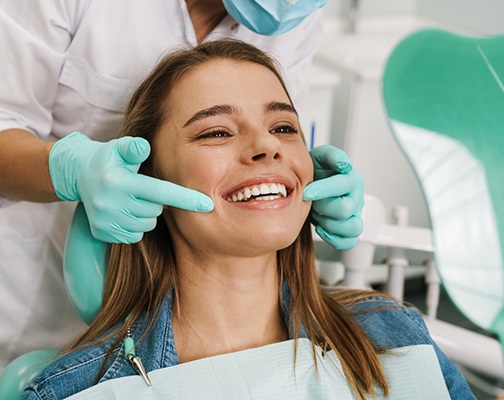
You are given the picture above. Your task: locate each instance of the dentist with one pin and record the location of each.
(67, 73)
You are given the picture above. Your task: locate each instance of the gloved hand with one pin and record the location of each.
(120, 203)
(338, 197)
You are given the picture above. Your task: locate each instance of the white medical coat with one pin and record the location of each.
(72, 65)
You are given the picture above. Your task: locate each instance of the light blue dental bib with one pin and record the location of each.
(267, 373)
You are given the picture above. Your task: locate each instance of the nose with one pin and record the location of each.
(262, 147)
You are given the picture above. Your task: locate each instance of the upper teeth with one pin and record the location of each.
(275, 190)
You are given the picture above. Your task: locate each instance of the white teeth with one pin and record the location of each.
(272, 197)
(265, 191)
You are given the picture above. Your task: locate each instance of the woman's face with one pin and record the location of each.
(231, 132)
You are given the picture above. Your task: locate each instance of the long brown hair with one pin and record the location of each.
(140, 275)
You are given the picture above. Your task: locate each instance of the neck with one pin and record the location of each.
(205, 16)
(226, 306)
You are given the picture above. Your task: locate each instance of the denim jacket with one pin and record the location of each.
(387, 323)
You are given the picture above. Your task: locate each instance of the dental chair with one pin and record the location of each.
(84, 267)
(444, 98)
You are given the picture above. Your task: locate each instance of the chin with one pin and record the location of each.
(274, 240)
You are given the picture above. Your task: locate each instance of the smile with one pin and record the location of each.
(262, 192)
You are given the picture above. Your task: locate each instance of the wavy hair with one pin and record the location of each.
(140, 276)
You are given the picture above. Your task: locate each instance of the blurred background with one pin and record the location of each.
(347, 110)
(345, 90)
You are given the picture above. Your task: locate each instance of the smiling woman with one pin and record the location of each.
(231, 136)
(220, 120)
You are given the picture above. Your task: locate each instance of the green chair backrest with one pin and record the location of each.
(444, 96)
(84, 267)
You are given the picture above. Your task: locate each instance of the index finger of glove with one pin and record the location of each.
(168, 193)
(334, 186)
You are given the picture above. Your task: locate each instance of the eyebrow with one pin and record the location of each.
(228, 109)
(279, 106)
(213, 111)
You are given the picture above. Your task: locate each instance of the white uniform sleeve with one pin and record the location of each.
(33, 37)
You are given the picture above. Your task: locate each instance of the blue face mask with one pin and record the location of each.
(271, 17)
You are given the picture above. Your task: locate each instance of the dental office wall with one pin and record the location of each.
(358, 122)
(371, 7)
(478, 16)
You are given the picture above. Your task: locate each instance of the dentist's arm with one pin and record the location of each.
(24, 167)
(120, 203)
(338, 197)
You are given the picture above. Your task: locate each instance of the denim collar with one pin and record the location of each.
(158, 349)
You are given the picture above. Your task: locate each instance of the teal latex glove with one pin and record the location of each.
(120, 203)
(338, 197)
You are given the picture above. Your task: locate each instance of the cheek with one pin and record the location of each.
(303, 165)
(195, 171)
(203, 171)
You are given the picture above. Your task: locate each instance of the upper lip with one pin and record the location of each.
(257, 181)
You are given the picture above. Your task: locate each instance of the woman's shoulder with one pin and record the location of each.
(390, 323)
(74, 372)
(80, 369)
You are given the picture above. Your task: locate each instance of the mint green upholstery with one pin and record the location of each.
(444, 96)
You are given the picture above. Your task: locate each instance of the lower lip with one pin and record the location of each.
(263, 204)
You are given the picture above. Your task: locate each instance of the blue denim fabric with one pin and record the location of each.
(387, 323)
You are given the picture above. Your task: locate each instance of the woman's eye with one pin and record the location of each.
(285, 129)
(213, 134)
